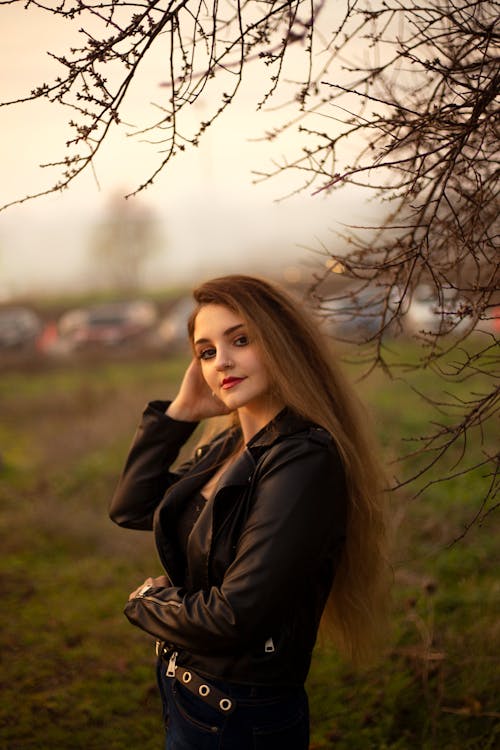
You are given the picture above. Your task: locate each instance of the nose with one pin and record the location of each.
(223, 362)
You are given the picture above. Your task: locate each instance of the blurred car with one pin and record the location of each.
(107, 325)
(19, 328)
(491, 322)
(355, 317)
(171, 332)
(427, 314)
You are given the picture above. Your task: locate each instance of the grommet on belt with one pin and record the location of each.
(186, 677)
(204, 690)
(225, 704)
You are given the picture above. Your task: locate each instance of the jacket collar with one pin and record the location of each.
(285, 423)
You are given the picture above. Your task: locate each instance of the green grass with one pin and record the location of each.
(75, 674)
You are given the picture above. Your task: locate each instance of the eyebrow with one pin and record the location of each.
(227, 332)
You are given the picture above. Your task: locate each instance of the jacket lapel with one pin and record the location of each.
(166, 515)
(238, 475)
(200, 540)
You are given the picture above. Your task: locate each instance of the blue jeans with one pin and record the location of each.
(265, 718)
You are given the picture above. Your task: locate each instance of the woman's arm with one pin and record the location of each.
(146, 475)
(164, 429)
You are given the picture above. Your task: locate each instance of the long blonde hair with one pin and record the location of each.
(307, 378)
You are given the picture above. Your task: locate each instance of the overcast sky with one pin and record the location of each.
(213, 219)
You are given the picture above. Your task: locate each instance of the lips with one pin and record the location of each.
(228, 383)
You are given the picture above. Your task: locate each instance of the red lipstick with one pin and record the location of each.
(230, 382)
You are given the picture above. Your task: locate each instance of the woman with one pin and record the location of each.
(272, 524)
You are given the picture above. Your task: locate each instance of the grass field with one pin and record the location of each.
(76, 675)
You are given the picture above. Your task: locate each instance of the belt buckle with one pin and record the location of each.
(161, 648)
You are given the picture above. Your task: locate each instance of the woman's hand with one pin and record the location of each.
(160, 581)
(195, 401)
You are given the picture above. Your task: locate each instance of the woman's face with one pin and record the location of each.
(231, 362)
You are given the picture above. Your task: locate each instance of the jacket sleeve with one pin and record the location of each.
(146, 475)
(297, 519)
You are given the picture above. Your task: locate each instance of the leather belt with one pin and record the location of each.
(196, 685)
(208, 693)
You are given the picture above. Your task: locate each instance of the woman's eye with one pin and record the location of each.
(206, 353)
(241, 340)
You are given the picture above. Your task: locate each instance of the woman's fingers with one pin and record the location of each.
(195, 401)
(158, 582)
(144, 586)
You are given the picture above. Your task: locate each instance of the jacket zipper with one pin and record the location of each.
(172, 665)
(160, 601)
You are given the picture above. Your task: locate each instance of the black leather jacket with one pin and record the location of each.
(261, 556)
